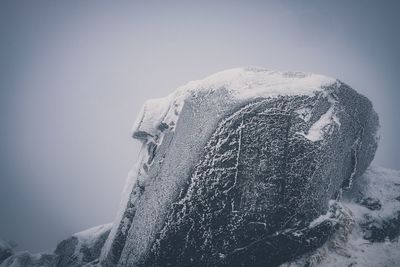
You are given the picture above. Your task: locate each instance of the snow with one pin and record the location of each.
(90, 236)
(242, 83)
(318, 129)
(316, 132)
(259, 82)
(131, 180)
(360, 251)
(304, 114)
(323, 217)
(152, 113)
(353, 249)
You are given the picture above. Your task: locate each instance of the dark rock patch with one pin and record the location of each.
(379, 230)
(370, 203)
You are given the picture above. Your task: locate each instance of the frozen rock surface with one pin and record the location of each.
(238, 168)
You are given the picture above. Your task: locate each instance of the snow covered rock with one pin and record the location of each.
(6, 250)
(82, 248)
(22, 259)
(240, 169)
(366, 237)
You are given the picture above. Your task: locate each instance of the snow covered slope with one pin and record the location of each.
(370, 235)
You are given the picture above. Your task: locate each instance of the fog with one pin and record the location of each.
(74, 74)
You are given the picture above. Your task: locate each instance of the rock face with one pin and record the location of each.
(238, 168)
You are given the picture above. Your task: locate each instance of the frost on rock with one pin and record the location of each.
(238, 168)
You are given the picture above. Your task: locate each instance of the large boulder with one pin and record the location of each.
(241, 169)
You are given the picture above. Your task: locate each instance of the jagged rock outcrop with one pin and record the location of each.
(238, 168)
(6, 250)
(26, 259)
(81, 249)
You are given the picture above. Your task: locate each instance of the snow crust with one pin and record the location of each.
(259, 82)
(382, 184)
(321, 126)
(242, 83)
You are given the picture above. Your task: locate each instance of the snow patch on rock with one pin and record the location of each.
(89, 236)
(321, 126)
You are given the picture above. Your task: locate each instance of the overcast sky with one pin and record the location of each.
(74, 74)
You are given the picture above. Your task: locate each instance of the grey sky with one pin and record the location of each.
(74, 74)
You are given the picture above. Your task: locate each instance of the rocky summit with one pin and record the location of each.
(247, 167)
